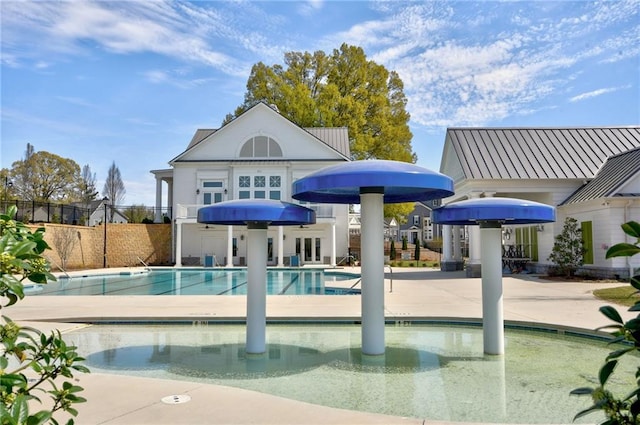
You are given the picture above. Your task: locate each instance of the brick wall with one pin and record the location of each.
(83, 247)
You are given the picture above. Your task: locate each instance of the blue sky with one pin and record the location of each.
(131, 81)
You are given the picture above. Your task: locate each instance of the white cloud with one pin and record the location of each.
(76, 101)
(595, 93)
(122, 27)
(178, 78)
(309, 7)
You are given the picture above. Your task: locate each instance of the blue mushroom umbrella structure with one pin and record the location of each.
(490, 214)
(372, 184)
(257, 215)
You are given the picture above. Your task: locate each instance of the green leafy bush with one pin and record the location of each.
(30, 362)
(619, 411)
(568, 249)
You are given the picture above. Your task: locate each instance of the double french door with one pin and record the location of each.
(309, 249)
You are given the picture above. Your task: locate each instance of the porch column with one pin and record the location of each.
(158, 214)
(446, 242)
(457, 246)
(280, 246)
(446, 264)
(170, 211)
(229, 246)
(178, 243)
(333, 245)
(474, 268)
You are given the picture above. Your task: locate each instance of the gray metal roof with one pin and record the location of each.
(200, 135)
(616, 171)
(336, 137)
(538, 153)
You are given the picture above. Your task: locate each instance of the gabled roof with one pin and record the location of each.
(614, 174)
(336, 138)
(538, 153)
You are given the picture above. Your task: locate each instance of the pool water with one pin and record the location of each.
(294, 281)
(428, 371)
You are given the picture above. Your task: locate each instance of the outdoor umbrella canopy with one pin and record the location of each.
(503, 210)
(398, 181)
(490, 214)
(257, 215)
(244, 211)
(371, 184)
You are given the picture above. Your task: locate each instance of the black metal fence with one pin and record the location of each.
(47, 212)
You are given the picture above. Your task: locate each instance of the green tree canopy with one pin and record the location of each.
(45, 177)
(341, 89)
(87, 190)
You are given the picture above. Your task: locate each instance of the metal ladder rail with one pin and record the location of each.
(390, 279)
(143, 263)
(59, 267)
(345, 259)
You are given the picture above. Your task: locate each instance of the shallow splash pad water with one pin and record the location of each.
(428, 371)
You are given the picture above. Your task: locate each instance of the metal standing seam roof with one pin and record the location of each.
(336, 137)
(615, 172)
(538, 153)
(200, 135)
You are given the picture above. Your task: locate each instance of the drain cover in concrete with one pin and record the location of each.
(176, 399)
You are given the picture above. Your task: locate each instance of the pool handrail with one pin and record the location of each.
(58, 266)
(390, 279)
(143, 263)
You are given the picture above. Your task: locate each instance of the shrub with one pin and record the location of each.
(24, 348)
(626, 410)
(568, 249)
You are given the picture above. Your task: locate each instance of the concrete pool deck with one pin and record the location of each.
(418, 294)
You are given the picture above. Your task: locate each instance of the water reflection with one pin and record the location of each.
(439, 373)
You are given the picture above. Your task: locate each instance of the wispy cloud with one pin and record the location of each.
(596, 93)
(309, 7)
(457, 74)
(76, 101)
(466, 63)
(124, 27)
(177, 78)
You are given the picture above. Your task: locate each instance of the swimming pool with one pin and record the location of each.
(294, 281)
(429, 371)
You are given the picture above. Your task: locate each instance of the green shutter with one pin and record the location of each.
(534, 243)
(587, 241)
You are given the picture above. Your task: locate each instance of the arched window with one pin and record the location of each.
(260, 147)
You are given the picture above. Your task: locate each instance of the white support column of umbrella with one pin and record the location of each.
(372, 184)
(257, 215)
(490, 214)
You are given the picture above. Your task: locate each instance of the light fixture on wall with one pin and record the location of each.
(241, 237)
(225, 191)
(507, 232)
(197, 191)
(540, 227)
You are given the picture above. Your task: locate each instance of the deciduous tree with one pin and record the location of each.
(45, 177)
(87, 189)
(114, 187)
(343, 89)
